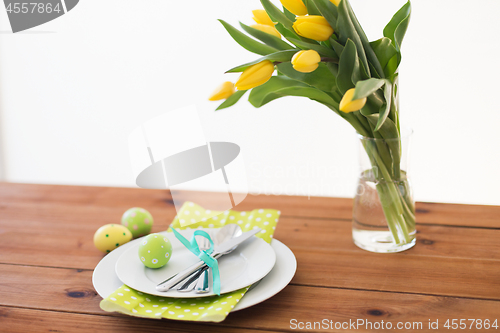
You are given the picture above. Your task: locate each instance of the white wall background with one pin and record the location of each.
(71, 91)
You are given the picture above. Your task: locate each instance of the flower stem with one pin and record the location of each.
(399, 219)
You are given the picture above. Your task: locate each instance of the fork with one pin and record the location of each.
(203, 244)
(202, 284)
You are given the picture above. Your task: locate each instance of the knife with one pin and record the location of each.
(219, 251)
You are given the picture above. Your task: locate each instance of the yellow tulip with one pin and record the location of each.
(306, 61)
(313, 26)
(335, 2)
(260, 16)
(267, 29)
(255, 75)
(222, 92)
(296, 7)
(348, 105)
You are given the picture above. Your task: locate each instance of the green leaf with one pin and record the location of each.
(388, 130)
(393, 114)
(324, 51)
(259, 93)
(311, 7)
(388, 99)
(334, 68)
(370, 54)
(326, 43)
(321, 78)
(281, 86)
(289, 14)
(364, 72)
(374, 103)
(385, 51)
(246, 42)
(231, 100)
(328, 10)
(268, 39)
(367, 87)
(374, 71)
(349, 72)
(276, 15)
(396, 28)
(337, 47)
(285, 32)
(369, 108)
(346, 30)
(393, 64)
(280, 56)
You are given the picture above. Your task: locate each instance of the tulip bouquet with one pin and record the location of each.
(319, 50)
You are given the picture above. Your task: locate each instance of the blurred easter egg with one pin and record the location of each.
(155, 251)
(110, 236)
(138, 220)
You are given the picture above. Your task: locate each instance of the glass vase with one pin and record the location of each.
(384, 208)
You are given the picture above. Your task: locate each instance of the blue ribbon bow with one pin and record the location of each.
(203, 255)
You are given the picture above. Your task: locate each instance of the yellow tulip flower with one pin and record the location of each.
(296, 7)
(260, 16)
(313, 26)
(267, 29)
(306, 61)
(348, 105)
(255, 75)
(222, 92)
(335, 2)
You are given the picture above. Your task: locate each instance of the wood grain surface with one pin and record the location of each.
(47, 257)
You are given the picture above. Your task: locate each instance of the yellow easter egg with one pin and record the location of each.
(110, 236)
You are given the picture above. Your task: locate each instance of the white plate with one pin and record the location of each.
(248, 263)
(106, 281)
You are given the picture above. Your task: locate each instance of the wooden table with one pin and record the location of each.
(47, 258)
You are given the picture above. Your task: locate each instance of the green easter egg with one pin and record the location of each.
(110, 236)
(155, 251)
(138, 220)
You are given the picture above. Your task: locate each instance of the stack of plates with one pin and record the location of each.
(254, 260)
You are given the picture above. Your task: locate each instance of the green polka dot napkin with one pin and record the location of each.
(214, 308)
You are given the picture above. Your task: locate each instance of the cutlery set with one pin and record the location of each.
(196, 275)
(199, 280)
